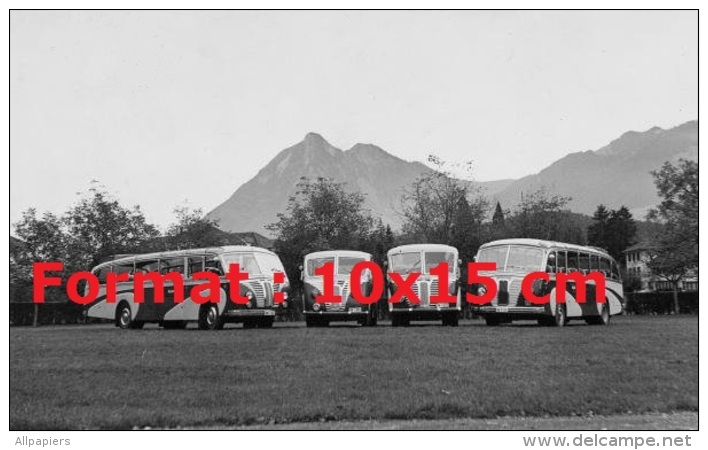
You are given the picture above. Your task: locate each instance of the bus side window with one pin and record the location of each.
(584, 263)
(572, 262)
(552, 265)
(562, 262)
(195, 264)
(126, 267)
(605, 267)
(615, 271)
(172, 265)
(213, 265)
(145, 266)
(594, 263)
(101, 274)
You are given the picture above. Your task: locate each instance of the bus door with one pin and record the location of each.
(150, 310)
(188, 309)
(572, 307)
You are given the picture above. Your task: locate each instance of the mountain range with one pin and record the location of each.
(614, 175)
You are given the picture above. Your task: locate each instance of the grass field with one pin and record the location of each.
(100, 377)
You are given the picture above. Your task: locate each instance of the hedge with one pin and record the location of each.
(660, 302)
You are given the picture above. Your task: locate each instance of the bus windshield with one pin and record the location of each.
(315, 263)
(269, 263)
(432, 259)
(406, 262)
(520, 257)
(254, 263)
(246, 261)
(347, 263)
(411, 261)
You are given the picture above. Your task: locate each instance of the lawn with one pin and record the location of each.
(100, 377)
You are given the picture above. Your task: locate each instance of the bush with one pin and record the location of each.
(49, 313)
(660, 302)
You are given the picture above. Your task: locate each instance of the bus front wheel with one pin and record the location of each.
(209, 318)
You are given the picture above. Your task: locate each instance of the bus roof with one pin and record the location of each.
(421, 247)
(186, 252)
(325, 253)
(544, 244)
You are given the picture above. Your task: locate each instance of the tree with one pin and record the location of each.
(321, 215)
(193, 230)
(541, 216)
(678, 211)
(621, 232)
(42, 240)
(677, 244)
(379, 242)
(99, 226)
(613, 230)
(439, 208)
(94, 228)
(498, 217)
(598, 231)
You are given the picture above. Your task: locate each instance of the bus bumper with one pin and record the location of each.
(338, 316)
(425, 313)
(513, 312)
(249, 313)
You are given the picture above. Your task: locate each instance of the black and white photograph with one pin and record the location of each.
(354, 220)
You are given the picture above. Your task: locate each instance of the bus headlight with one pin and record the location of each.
(481, 291)
(285, 295)
(316, 307)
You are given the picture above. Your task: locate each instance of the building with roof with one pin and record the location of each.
(637, 258)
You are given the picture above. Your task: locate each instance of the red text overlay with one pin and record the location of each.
(208, 286)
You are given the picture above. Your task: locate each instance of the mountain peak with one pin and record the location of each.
(314, 144)
(314, 138)
(366, 148)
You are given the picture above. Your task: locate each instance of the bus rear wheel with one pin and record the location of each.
(491, 321)
(397, 321)
(174, 324)
(371, 318)
(209, 318)
(124, 318)
(602, 319)
(547, 322)
(316, 322)
(450, 320)
(266, 322)
(605, 314)
(561, 317)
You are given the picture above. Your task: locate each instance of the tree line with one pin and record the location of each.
(326, 214)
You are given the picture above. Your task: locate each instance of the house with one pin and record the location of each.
(637, 258)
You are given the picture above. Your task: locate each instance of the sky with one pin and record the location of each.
(169, 108)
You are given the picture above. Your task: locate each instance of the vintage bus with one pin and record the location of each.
(516, 258)
(259, 289)
(321, 314)
(421, 258)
